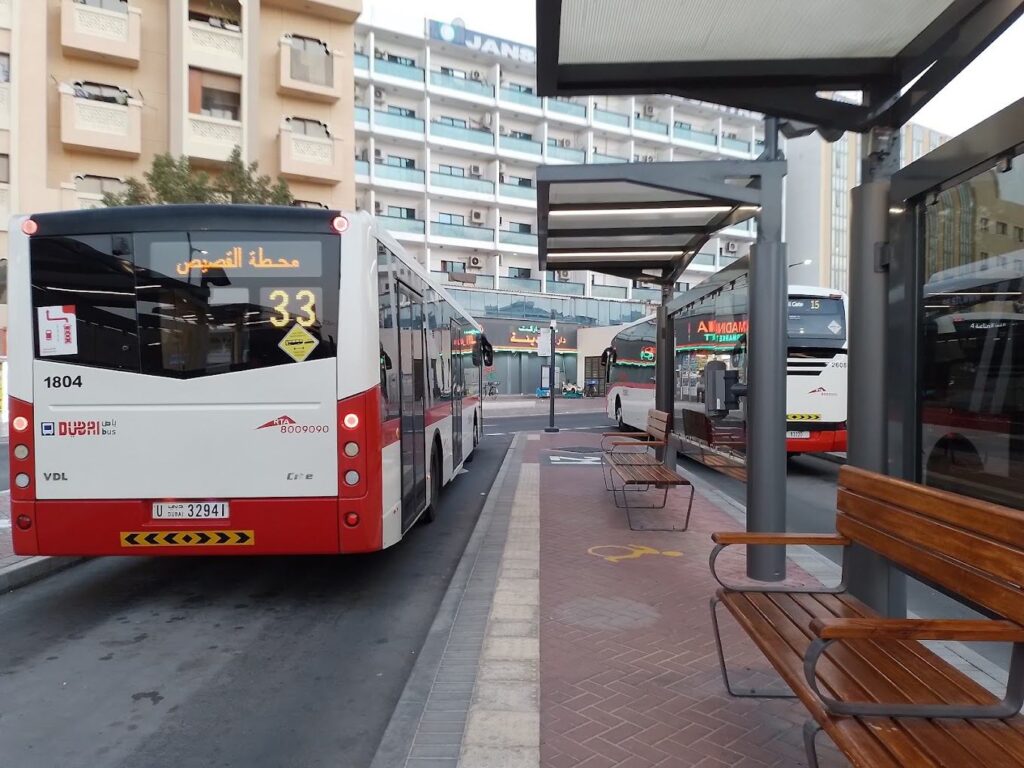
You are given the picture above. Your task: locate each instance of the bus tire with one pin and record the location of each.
(476, 441)
(430, 513)
(618, 415)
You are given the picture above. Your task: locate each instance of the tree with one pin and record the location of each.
(174, 180)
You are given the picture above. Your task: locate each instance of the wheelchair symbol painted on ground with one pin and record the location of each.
(615, 553)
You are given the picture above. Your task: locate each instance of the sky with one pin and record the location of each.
(990, 83)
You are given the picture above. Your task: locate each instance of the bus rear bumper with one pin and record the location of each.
(823, 441)
(255, 527)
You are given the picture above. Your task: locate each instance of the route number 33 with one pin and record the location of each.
(304, 301)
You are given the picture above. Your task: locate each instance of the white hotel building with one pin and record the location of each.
(448, 136)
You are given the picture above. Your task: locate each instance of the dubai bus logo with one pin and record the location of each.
(280, 421)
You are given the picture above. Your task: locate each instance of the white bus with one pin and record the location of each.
(230, 380)
(714, 328)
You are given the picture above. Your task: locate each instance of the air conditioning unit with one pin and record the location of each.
(562, 274)
(378, 94)
(564, 143)
(648, 158)
(476, 216)
(377, 154)
(476, 262)
(378, 208)
(731, 247)
(476, 76)
(475, 171)
(648, 110)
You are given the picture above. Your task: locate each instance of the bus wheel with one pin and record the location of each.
(618, 415)
(430, 514)
(476, 442)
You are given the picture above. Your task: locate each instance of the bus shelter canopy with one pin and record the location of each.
(644, 221)
(781, 57)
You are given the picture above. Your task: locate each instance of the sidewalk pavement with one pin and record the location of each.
(17, 570)
(528, 405)
(597, 651)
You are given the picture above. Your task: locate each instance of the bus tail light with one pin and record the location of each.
(352, 519)
(351, 439)
(24, 522)
(351, 421)
(22, 451)
(339, 224)
(29, 227)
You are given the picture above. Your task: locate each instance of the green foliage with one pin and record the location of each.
(173, 180)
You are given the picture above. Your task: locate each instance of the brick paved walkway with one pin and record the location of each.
(629, 674)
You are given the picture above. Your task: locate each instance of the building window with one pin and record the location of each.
(519, 272)
(401, 212)
(1018, 234)
(521, 135)
(5, 67)
(405, 61)
(1002, 228)
(214, 95)
(519, 87)
(515, 226)
(5, 169)
(228, 16)
(451, 170)
(304, 127)
(311, 61)
(685, 126)
(983, 224)
(401, 111)
(91, 184)
(453, 266)
(308, 204)
(456, 122)
(109, 94)
(396, 161)
(452, 72)
(451, 218)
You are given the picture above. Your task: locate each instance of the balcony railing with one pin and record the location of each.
(398, 122)
(735, 144)
(5, 106)
(215, 48)
(394, 69)
(400, 224)
(362, 116)
(462, 232)
(466, 85)
(337, 10)
(309, 75)
(567, 153)
(362, 168)
(567, 108)
(651, 126)
(515, 144)
(480, 281)
(528, 239)
(457, 133)
(517, 190)
(99, 33)
(397, 173)
(650, 295)
(97, 126)
(5, 208)
(565, 288)
(602, 158)
(361, 62)
(528, 284)
(464, 183)
(700, 137)
(310, 158)
(212, 138)
(608, 291)
(519, 97)
(611, 118)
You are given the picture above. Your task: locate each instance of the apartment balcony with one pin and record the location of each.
(472, 279)
(706, 138)
(5, 106)
(465, 135)
(559, 109)
(462, 232)
(651, 126)
(602, 158)
(527, 284)
(518, 192)
(736, 145)
(71, 199)
(398, 71)
(362, 168)
(361, 64)
(214, 48)
(608, 291)
(563, 288)
(402, 123)
(396, 174)
(5, 206)
(462, 184)
(339, 10)
(316, 78)
(528, 239)
(361, 117)
(96, 33)
(649, 295)
(100, 127)
(567, 154)
(400, 226)
(462, 84)
(522, 146)
(211, 138)
(514, 99)
(605, 117)
(318, 159)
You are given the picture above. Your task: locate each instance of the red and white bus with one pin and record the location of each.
(229, 380)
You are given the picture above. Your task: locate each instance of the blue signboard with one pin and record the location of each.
(476, 41)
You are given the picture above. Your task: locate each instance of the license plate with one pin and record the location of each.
(798, 435)
(190, 510)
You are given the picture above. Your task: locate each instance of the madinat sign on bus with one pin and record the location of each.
(456, 34)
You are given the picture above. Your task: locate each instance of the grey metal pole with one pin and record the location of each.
(551, 381)
(872, 578)
(766, 398)
(664, 372)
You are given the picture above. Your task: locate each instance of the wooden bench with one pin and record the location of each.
(868, 681)
(630, 466)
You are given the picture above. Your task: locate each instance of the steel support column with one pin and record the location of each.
(766, 397)
(664, 390)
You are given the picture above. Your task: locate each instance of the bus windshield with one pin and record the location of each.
(815, 318)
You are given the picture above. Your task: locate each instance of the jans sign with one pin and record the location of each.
(455, 34)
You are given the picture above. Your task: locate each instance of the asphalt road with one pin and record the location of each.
(225, 662)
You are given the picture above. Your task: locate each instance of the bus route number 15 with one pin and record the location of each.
(304, 303)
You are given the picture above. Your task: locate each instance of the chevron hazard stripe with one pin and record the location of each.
(187, 538)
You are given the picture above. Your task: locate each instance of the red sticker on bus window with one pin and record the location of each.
(58, 331)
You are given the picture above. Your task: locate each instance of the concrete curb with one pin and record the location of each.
(397, 742)
(32, 569)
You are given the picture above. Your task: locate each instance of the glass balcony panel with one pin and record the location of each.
(361, 62)
(652, 295)
(479, 281)
(515, 190)
(483, 186)
(518, 238)
(457, 133)
(529, 284)
(362, 116)
(700, 137)
(399, 224)
(704, 259)
(398, 122)
(737, 144)
(599, 158)
(566, 153)
(567, 108)
(515, 144)
(611, 118)
(394, 69)
(362, 168)
(519, 97)
(608, 291)
(483, 234)
(396, 173)
(566, 289)
(463, 84)
(651, 126)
